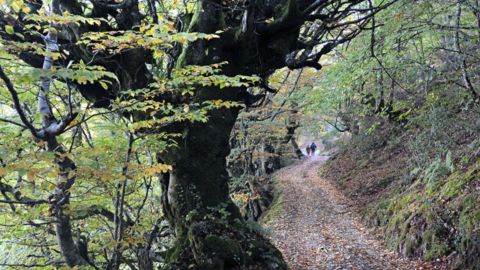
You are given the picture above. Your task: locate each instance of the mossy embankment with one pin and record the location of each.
(431, 212)
(276, 207)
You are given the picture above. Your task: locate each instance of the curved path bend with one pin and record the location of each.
(317, 228)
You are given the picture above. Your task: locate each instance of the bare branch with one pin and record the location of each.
(16, 102)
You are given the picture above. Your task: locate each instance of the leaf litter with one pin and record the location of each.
(318, 228)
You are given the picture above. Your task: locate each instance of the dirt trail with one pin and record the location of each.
(317, 229)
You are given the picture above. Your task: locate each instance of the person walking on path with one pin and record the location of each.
(313, 147)
(308, 150)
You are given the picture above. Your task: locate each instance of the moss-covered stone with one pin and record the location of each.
(276, 208)
(454, 184)
(435, 249)
(173, 252)
(258, 250)
(469, 250)
(469, 233)
(217, 245)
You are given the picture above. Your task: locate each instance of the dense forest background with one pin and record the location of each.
(142, 134)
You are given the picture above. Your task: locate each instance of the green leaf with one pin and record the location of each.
(9, 29)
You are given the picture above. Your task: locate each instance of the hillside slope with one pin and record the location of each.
(431, 212)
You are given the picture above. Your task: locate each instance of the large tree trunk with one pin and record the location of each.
(210, 232)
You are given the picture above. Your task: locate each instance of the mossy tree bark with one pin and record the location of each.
(210, 232)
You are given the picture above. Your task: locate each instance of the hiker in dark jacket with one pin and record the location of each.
(308, 150)
(313, 147)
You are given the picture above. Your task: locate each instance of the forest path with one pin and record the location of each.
(316, 228)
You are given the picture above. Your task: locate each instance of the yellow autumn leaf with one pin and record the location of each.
(104, 85)
(31, 175)
(82, 80)
(15, 6)
(73, 123)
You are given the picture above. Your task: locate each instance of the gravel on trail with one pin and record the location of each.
(317, 228)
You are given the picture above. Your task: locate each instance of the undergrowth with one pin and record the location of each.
(419, 185)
